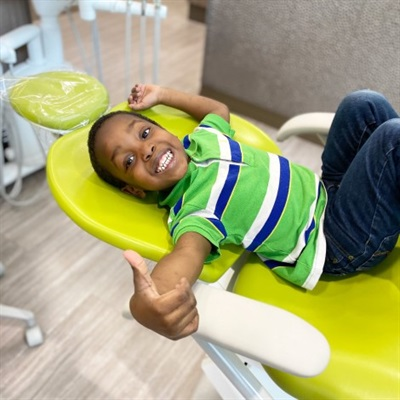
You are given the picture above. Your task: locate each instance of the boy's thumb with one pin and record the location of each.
(141, 277)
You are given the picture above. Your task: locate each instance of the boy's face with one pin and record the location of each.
(141, 154)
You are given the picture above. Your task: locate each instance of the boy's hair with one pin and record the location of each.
(100, 171)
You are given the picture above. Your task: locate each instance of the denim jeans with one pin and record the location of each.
(361, 172)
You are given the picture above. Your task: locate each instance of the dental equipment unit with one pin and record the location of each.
(21, 153)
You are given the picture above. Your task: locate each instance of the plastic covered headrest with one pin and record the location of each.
(59, 100)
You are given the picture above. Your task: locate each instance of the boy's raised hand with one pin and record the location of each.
(172, 314)
(143, 97)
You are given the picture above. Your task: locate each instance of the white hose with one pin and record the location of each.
(128, 41)
(156, 40)
(142, 47)
(78, 40)
(11, 195)
(96, 49)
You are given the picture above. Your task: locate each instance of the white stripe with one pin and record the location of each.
(204, 164)
(319, 260)
(222, 174)
(209, 129)
(224, 147)
(268, 202)
(203, 214)
(223, 141)
(294, 255)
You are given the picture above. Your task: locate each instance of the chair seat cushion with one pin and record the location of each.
(360, 317)
(59, 100)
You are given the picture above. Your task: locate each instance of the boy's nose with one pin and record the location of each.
(148, 152)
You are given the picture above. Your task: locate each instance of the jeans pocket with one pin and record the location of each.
(378, 255)
(337, 259)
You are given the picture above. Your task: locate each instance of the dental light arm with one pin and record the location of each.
(28, 35)
(88, 8)
(260, 332)
(7, 53)
(51, 35)
(87, 11)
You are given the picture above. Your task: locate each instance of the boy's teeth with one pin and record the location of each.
(164, 161)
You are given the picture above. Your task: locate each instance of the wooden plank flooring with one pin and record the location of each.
(76, 285)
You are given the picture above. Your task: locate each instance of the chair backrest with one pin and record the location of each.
(117, 218)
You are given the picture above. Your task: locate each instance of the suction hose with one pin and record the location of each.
(11, 196)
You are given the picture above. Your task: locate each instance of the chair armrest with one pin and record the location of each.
(261, 332)
(317, 123)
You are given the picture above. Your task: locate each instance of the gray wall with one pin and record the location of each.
(295, 56)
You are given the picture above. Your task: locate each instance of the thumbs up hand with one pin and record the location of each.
(172, 314)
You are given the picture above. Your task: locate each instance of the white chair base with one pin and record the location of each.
(33, 334)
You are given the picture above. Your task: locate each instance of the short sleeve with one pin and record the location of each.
(218, 123)
(210, 228)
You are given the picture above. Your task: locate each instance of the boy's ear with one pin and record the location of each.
(139, 193)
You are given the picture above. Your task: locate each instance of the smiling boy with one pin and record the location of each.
(137, 156)
(219, 191)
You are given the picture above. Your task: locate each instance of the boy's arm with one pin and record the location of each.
(146, 96)
(164, 301)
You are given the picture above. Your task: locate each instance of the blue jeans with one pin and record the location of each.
(361, 172)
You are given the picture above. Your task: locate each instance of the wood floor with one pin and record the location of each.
(76, 285)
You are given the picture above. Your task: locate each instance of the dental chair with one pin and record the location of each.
(339, 341)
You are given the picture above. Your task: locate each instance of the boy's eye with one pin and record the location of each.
(129, 161)
(145, 133)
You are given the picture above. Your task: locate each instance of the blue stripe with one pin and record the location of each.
(204, 126)
(186, 142)
(173, 229)
(218, 225)
(226, 192)
(271, 264)
(312, 225)
(177, 207)
(309, 230)
(214, 221)
(232, 178)
(277, 209)
(236, 152)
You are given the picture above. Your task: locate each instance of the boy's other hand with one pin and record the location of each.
(172, 314)
(143, 97)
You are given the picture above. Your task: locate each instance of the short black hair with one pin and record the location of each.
(101, 171)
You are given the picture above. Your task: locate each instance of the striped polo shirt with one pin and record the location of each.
(234, 193)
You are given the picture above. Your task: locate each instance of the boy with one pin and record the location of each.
(221, 192)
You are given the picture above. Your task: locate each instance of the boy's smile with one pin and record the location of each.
(165, 161)
(143, 155)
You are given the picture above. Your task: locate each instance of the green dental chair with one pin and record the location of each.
(129, 223)
(354, 352)
(359, 316)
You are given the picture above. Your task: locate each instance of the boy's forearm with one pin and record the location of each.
(186, 260)
(196, 106)
(168, 271)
